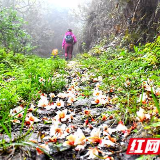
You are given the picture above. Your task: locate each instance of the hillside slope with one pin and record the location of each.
(125, 22)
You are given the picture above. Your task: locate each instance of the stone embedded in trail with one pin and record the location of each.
(110, 122)
(142, 133)
(46, 112)
(57, 148)
(41, 157)
(127, 157)
(83, 102)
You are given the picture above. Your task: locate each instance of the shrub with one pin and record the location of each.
(12, 35)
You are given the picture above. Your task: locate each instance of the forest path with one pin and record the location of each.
(75, 124)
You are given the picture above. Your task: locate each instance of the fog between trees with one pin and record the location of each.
(125, 22)
(47, 22)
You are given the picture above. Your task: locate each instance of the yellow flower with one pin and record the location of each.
(59, 103)
(97, 93)
(61, 115)
(54, 52)
(41, 80)
(78, 138)
(52, 95)
(71, 140)
(121, 126)
(140, 114)
(92, 153)
(43, 102)
(95, 136)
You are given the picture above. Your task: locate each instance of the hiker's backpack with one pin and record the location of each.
(69, 39)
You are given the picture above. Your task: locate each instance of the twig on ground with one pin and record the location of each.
(11, 154)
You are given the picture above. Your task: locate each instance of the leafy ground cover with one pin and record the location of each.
(23, 78)
(108, 97)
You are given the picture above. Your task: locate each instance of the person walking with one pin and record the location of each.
(67, 44)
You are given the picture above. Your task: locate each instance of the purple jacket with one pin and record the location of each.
(68, 33)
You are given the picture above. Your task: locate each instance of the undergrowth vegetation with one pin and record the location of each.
(12, 34)
(24, 77)
(132, 76)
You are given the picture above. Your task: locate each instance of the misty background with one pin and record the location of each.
(48, 20)
(113, 23)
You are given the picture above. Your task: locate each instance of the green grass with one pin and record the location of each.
(119, 66)
(19, 77)
(19, 82)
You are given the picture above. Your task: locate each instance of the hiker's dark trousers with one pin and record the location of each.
(68, 50)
